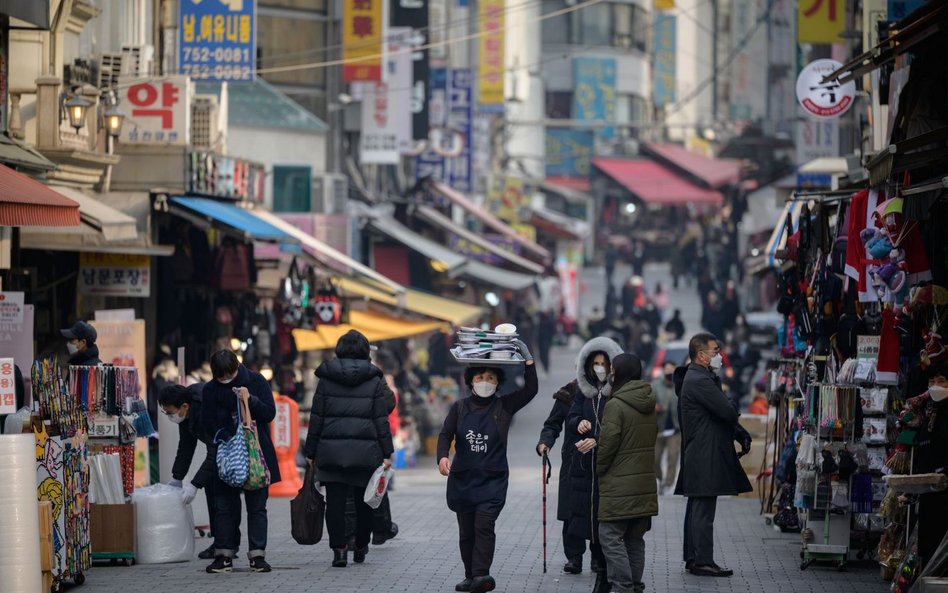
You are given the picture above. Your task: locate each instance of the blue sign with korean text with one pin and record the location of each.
(594, 97)
(217, 39)
(899, 9)
(663, 59)
(460, 118)
(430, 163)
(568, 152)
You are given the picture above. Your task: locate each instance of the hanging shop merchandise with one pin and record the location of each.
(863, 321)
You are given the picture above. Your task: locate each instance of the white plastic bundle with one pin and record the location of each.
(164, 526)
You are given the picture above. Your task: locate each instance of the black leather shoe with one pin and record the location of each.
(483, 584)
(380, 538)
(340, 557)
(464, 585)
(595, 566)
(689, 565)
(207, 554)
(358, 556)
(573, 567)
(710, 570)
(602, 583)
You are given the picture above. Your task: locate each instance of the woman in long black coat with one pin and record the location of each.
(583, 424)
(349, 438)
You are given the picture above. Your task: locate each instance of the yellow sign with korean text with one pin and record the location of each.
(505, 198)
(820, 21)
(363, 28)
(114, 274)
(491, 53)
(664, 4)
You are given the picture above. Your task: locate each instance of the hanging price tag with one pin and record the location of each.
(7, 387)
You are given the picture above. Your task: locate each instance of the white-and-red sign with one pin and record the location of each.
(7, 387)
(824, 99)
(157, 110)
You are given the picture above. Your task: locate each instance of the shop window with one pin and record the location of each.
(292, 189)
(559, 104)
(596, 25)
(631, 109)
(630, 27)
(559, 30)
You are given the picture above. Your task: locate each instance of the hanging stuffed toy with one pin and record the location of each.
(934, 349)
(328, 307)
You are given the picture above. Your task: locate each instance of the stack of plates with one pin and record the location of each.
(479, 346)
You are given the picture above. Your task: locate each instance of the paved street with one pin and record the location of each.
(424, 557)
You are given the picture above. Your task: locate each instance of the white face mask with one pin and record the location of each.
(716, 362)
(938, 393)
(71, 348)
(484, 388)
(226, 381)
(600, 372)
(177, 419)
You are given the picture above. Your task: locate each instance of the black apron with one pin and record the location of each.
(479, 472)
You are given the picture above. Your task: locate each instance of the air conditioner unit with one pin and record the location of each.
(138, 60)
(110, 68)
(206, 133)
(330, 193)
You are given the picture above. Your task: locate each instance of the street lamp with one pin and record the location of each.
(76, 110)
(112, 120)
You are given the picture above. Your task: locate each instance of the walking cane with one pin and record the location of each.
(546, 471)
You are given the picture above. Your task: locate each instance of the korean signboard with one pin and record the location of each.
(430, 163)
(211, 174)
(664, 59)
(217, 39)
(816, 139)
(594, 98)
(414, 14)
(386, 131)
(363, 28)
(568, 152)
(505, 197)
(749, 79)
(820, 21)
(459, 118)
(491, 52)
(16, 340)
(158, 110)
(481, 254)
(282, 424)
(114, 274)
(824, 99)
(7, 387)
(11, 307)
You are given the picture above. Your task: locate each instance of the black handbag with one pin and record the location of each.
(307, 512)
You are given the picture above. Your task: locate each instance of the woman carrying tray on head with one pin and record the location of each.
(478, 475)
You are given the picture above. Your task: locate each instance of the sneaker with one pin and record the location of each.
(207, 554)
(221, 564)
(259, 564)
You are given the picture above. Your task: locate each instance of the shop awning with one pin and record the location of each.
(490, 220)
(25, 201)
(113, 224)
(711, 172)
(324, 251)
(653, 183)
(924, 150)
(415, 301)
(559, 225)
(17, 154)
(253, 228)
(574, 189)
(373, 325)
(778, 239)
(433, 250)
(498, 277)
(440, 220)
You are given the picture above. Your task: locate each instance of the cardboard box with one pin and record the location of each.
(45, 509)
(112, 528)
(47, 582)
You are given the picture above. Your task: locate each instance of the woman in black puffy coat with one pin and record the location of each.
(349, 438)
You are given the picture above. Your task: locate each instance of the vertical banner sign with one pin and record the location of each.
(430, 163)
(594, 98)
(7, 387)
(459, 118)
(820, 21)
(664, 59)
(217, 39)
(414, 14)
(386, 131)
(568, 152)
(363, 28)
(491, 53)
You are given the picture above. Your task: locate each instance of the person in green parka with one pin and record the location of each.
(628, 495)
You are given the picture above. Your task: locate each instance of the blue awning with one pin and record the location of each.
(778, 239)
(244, 221)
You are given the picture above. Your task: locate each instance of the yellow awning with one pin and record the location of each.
(374, 326)
(415, 301)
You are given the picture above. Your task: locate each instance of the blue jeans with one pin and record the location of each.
(227, 519)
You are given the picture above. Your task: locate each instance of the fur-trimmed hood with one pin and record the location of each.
(610, 347)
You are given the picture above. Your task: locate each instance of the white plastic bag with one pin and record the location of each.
(164, 525)
(378, 484)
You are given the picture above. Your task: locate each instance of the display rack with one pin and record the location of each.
(62, 453)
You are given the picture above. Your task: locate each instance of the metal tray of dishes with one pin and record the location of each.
(515, 360)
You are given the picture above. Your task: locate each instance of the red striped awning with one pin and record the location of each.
(652, 183)
(25, 201)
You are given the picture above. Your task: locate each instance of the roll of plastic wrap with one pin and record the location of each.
(164, 526)
(167, 450)
(19, 517)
